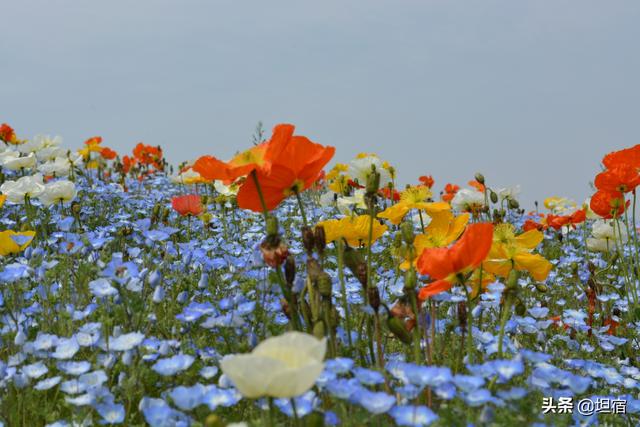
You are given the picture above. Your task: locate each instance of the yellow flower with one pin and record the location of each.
(9, 246)
(413, 198)
(354, 229)
(336, 171)
(3, 197)
(443, 230)
(559, 204)
(509, 251)
(339, 184)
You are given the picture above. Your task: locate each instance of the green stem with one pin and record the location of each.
(343, 287)
(265, 211)
(301, 206)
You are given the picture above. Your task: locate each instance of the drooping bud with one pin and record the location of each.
(406, 229)
(374, 298)
(318, 329)
(308, 239)
(354, 260)
(213, 420)
(541, 287)
(513, 204)
(462, 314)
(521, 309)
(290, 270)
(314, 270)
(480, 178)
(398, 329)
(493, 196)
(324, 284)
(320, 239)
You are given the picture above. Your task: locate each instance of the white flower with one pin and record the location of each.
(345, 203)
(225, 190)
(283, 366)
(187, 177)
(58, 167)
(605, 237)
(468, 200)
(16, 191)
(58, 192)
(359, 169)
(508, 192)
(17, 163)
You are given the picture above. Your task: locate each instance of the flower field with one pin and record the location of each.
(277, 289)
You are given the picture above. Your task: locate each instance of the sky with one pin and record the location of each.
(528, 92)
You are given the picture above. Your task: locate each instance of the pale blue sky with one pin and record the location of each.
(529, 92)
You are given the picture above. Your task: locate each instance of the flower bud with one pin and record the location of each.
(354, 260)
(76, 208)
(374, 297)
(513, 204)
(410, 280)
(521, 309)
(290, 270)
(480, 178)
(493, 196)
(284, 305)
(308, 239)
(318, 329)
(398, 329)
(271, 225)
(541, 287)
(320, 239)
(373, 181)
(213, 420)
(324, 284)
(406, 229)
(512, 279)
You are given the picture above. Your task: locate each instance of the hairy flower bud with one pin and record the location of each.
(324, 284)
(398, 329)
(406, 229)
(373, 181)
(493, 196)
(513, 204)
(308, 239)
(290, 270)
(480, 178)
(318, 329)
(374, 298)
(410, 280)
(271, 225)
(354, 260)
(320, 239)
(274, 252)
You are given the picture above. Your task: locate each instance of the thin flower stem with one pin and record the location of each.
(343, 288)
(265, 211)
(301, 206)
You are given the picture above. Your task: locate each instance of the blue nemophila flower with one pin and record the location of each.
(48, 383)
(157, 413)
(515, 393)
(74, 368)
(374, 402)
(126, 342)
(173, 365)
(111, 413)
(187, 398)
(446, 391)
(35, 370)
(343, 388)
(14, 272)
(215, 397)
(478, 397)
(367, 376)
(304, 405)
(102, 288)
(413, 416)
(468, 382)
(208, 372)
(66, 348)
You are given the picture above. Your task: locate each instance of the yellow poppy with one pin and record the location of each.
(9, 246)
(354, 229)
(443, 230)
(509, 251)
(3, 198)
(413, 198)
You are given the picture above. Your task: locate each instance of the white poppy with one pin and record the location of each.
(468, 200)
(58, 192)
(58, 167)
(225, 190)
(346, 203)
(17, 163)
(16, 191)
(359, 169)
(508, 192)
(284, 366)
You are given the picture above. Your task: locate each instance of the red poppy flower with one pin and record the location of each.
(94, 140)
(295, 164)
(7, 133)
(427, 180)
(108, 153)
(578, 217)
(444, 264)
(622, 178)
(127, 163)
(190, 204)
(628, 156)
(258, 157)
(148, 155)
(557, 221)
(450, 191)
(532, 225)
(608, 204)
(387, 194)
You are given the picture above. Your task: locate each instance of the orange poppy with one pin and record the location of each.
(427, 180)
(189, 204)
(7, 134)
(478, 186)
(532, 225)
(450, 191)
(622, 178)
(127, 163)
(295, 164)
(628, 156)
(258, 157)
(148, 155)
(108, 153)
(387, 194)
(608, 204)
(94, 140)
(445, 264)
